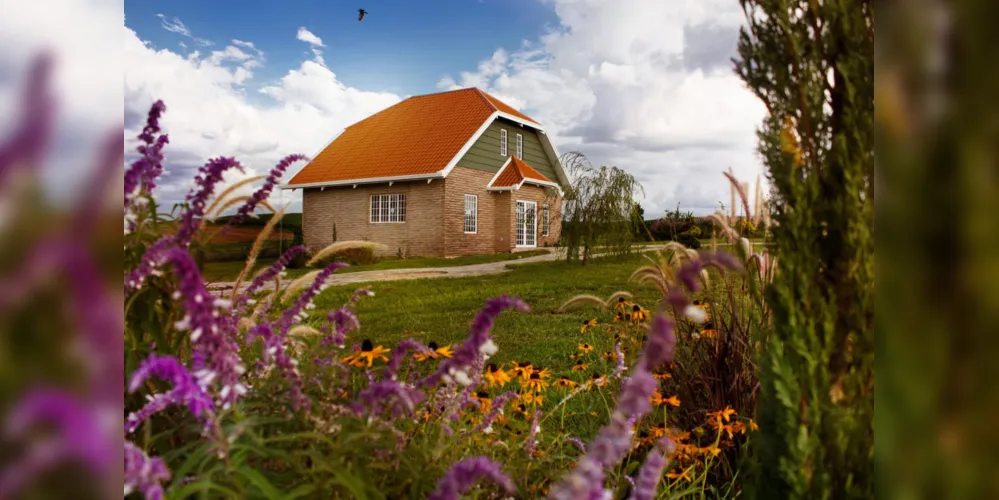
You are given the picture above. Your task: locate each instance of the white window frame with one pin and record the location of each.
(471, 225)
(518, 223)
(545, 220)
(520, 146)
(390, 208)
(503, 148)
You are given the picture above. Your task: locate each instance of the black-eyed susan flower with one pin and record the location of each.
(544, 372)
(485, 402)
(622, 305)
(496, 376)
(532, 399)
(658, 431)
(618, 317)
(609, 356)
(721, 415)
(521, 407)
(522, 370)
(565, 382)
(662, 376)
(657, 399)
(367, 355)
(580, 366)
(672, 401)
(709, 330)
(535, 383)
(684, 474)
(638, 314)
(598, 379)
(431, 353)
(586, 348)
(445, 351)
(587, 324)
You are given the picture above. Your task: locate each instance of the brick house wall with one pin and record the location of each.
(459, 182)
(541, 196)
(421, 234)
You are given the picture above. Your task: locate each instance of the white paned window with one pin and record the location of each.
(526, 224)
(388, 208)
(545, 220)
(471, 214)
(503, 142)
(520, 146)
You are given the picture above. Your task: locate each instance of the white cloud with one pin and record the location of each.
(214, 108)
(176, 26)
(648, 88)
(316, 43)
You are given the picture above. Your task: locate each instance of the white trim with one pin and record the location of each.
(525, 180)
(373, 180)
(399, 207)
(504, 142)
(520, 146)
(468, 145)
(475, 214)
(546, 222)
(535, 229)
(498, 172)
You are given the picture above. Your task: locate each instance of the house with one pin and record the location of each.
(447, 174)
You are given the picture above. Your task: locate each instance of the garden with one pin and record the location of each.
(730, 370)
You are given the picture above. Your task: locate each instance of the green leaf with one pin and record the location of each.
(300, 491)
(200, 486)
(257, 479)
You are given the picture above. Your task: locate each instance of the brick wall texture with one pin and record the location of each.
(434, 216)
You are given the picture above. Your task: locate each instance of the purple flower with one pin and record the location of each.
(400, 398)
(79, 435)
(268, 275)
(661, 345)
(141, 175)
(215, 353)
(29, 139)
(478, 336)
(498, 403)
(650, 473)
(344, 320)
(185, 390)
(266, 189)
(400, 351)
(304, 300)
(635, 392)
(464, 474)
(144, 474)
(689, 275)
(208, 176)
(585, 483)
(578, 443)
(531, 441)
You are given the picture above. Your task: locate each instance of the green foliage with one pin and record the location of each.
(812, 65)
(599, 209)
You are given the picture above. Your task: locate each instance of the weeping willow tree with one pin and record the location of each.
(598, 209)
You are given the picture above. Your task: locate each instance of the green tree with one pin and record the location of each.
(598, 209)
(812, 65)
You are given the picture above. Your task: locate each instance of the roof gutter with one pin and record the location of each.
(373, 180)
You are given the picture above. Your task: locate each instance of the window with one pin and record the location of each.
(545, 220)
(527, 224)
(471, 214)
(388, 208)
(503, 142)
(520, 146)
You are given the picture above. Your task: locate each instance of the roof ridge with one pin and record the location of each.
(485, 98)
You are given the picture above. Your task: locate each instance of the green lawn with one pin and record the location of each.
(228, 271)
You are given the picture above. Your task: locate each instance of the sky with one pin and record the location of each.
(644, 85)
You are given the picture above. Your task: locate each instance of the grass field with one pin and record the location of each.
(228, 271)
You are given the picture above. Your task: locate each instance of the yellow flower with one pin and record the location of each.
(609, 356)
(535, 383)
(618, 317)
(685, 474)
(565, 382)
(753, 426)
(496, 377)
(522, 370)
(662, 376)
(672, 401)
(485, 403)
(638, 314)
(587, 324)
(445, 351)
(368, 352)
(709, 330)
(656, 399)
(721, 415)
(586, 348)
(621, 304)
(658, 431)
(580, 366)
(597, 379)
(544, 373)
(431, 354)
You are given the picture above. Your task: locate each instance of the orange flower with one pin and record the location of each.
(587, 324)
(495, 376)
(565, 382)
(684, 474)
(522, 370)
(580, 366)
(672, 401)
(367, 353)
(586, 348)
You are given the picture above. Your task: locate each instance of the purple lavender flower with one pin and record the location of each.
(661, 345)
(79, 435)
(635, 392)
(344, 320)
(142, 174)
(28, 142)
(498, 403)
(585, 483)
(578, 443)
(689, 275)
(185, 390)
(305, 299)
(266, 276)
(400, 351)
(208, 176)
(650, 473)
(478, 340)
(532, 442)
(399, 397)
(144, 474)
(266, 189)
(464, 474)
(216, 354)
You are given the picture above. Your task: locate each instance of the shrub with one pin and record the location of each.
(355, 253)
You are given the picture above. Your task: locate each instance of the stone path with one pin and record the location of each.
(421, 273)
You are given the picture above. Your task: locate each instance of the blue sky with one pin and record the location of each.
(402, 46)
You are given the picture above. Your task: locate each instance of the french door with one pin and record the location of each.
(527, 224)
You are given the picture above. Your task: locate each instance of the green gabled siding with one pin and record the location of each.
(485, 153)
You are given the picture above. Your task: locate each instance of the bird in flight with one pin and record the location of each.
(360, 14)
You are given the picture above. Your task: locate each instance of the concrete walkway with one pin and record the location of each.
(423, 273)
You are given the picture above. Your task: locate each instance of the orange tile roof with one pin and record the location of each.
(516, 171)
(418, 136)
